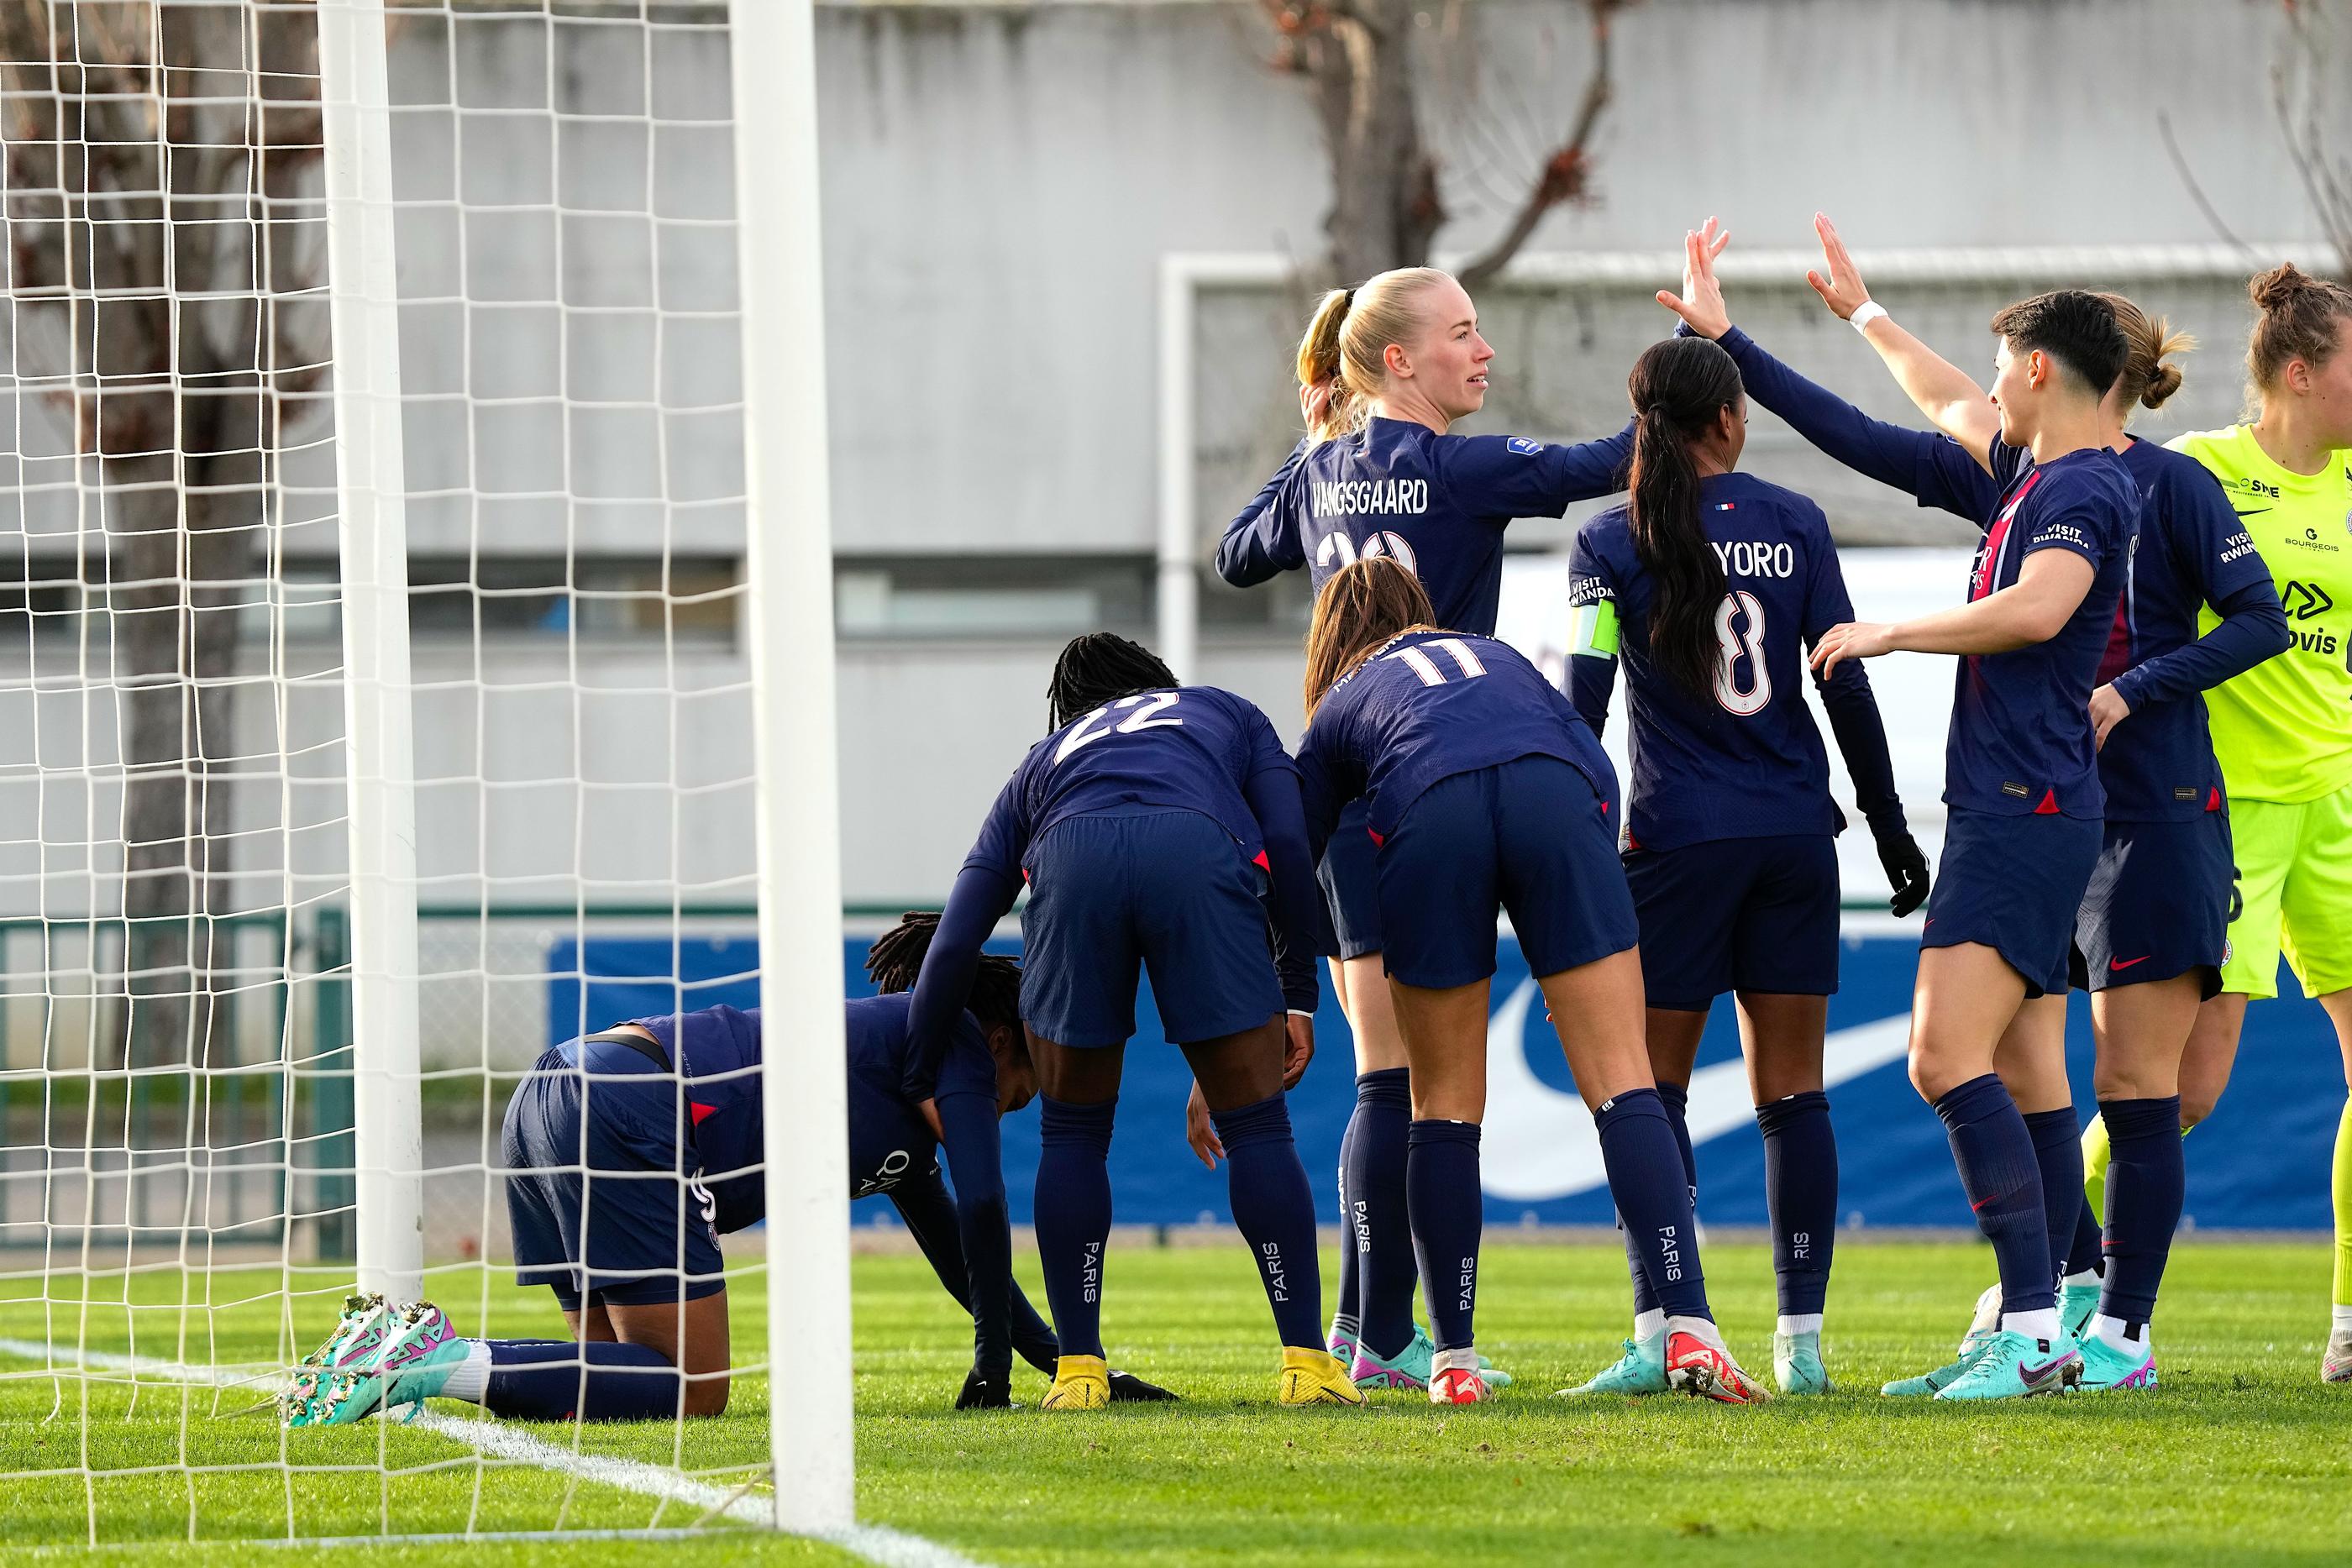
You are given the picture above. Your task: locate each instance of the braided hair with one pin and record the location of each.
(1098, 668)
(896, 959)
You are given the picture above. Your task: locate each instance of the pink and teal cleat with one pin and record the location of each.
(2105, 1367)
(357, 1334)
(1410, 1368)
(409, 1366)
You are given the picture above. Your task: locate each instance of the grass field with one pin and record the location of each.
(2242, 1455)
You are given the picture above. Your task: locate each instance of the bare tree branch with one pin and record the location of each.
(1566, 175)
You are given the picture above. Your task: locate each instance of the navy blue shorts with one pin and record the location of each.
(2013, 883)
(1531, 837)
(1167, 889)
(1350, 879)
(2158, 906)
(1737, 914)
(603, 1205)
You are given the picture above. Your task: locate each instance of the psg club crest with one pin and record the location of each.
(1527, 448)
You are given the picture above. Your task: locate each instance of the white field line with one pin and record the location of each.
(874, 1543)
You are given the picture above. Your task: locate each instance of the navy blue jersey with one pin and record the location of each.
(722, 1066)
(1435, 504)
(2157, 765)
(887, 1136)
(1190, 749)
(1427, 706)
(719, 1060)
(1743, 760)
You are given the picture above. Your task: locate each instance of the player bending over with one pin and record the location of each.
(1485, 792)
(1706, 587)
(2060, 512)
(1146, 826)
(1384, 370)
(2149, 938)
(671, 1162)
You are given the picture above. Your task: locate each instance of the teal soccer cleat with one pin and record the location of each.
(412, 1366)
(2077, 1305)
(1928, 1383)
(2106, 1368)
(1640, 1370)
(2012, 1365)
(1411, 1367)
(1797, 1364)
(357, 1334)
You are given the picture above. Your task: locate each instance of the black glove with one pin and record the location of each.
(1126, 1388)
(987, 1390)
(1906, 870)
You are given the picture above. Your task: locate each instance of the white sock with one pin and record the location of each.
(2081, 1277)
(1461, 1358)
(1794, 1323)
(1649, 1325)
(2040, 1323)
(2117, 1334)
(2340, 1319)
(1701, 1329)
(470, 1380)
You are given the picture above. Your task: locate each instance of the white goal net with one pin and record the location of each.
(411, 472)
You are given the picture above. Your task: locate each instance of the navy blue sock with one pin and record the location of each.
(1998, 1171)
(1801, 1192)
(2087, 1251)
(1651, 1186)
(1675, 1098)
(1374, 1210)
(1073, 1215)
(1441, 1178)
(2058, 1153)
(1275, 1210)
(591, 1380)
(2147, 1177)
(1347, 1313)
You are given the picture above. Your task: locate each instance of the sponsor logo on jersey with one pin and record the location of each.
(1523, 446)
(2304, 599)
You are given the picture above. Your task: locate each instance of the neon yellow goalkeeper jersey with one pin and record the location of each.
(2283, 731)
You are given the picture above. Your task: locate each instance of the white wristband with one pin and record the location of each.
(1866, 312)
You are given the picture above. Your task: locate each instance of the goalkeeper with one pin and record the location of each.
(622, 1173)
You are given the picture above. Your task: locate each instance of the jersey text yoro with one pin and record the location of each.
(2282, 731)
(1437, 505)
(1427, 706)
(1743, 760)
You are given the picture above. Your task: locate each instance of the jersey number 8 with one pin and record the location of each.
(1753, 698)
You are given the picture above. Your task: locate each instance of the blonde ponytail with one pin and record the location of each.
(1346, 343)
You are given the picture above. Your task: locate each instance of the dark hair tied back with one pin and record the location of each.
(1679, 387)
(1098, 668)
(896, 961)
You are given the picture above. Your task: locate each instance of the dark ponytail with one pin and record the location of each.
(1100, 667)
(1678, 387)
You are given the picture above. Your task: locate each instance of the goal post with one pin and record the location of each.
(415, 655)
(371, 495)
(789, 561)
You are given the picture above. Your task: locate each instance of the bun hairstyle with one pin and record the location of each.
(1362, 606)
(2299, 320)
(1678, 389)
(2148, 377)
(1346, 340)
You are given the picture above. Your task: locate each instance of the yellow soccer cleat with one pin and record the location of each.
(1080, 1382)
(1314, 1377)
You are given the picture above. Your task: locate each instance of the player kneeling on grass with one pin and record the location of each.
(1486, 792)
(648, 1310)
(1146, 825)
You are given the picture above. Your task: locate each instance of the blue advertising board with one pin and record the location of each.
(2260, 1163)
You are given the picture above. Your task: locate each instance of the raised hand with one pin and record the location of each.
(1700, 304)
(1842, 290)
